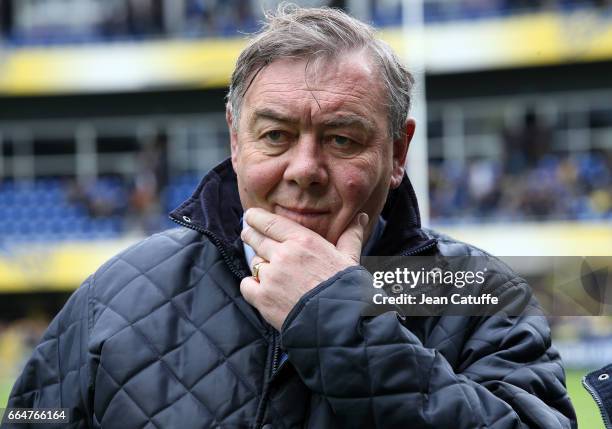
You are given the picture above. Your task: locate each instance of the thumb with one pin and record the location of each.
(351, 240)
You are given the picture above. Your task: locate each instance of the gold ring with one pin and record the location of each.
(256, 269)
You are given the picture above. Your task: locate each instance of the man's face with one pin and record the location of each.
(314, 146)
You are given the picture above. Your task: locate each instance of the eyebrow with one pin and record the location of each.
(267, 113)
(343, 121)
(349, 121)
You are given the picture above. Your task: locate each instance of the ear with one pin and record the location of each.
(229, 118)
(400, 152)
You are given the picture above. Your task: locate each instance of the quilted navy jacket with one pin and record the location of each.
(160, 337)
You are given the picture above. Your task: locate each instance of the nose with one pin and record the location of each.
(307, 165)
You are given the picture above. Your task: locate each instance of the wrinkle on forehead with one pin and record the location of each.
(320, 68)
(328, 107)
(350, 80)
(306, 79)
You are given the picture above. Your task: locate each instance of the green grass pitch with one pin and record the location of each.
(588, 414)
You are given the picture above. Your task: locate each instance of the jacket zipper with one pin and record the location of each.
(240, 275)
(276, 363)
(419, 249)
(275, 341)
(599, 402)
(261, 410)
(218, 244)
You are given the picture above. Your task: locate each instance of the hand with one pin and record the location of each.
(295, 258)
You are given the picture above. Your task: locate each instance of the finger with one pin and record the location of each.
(351, 240)
(271, 225)
(249, 289)
(262, 245)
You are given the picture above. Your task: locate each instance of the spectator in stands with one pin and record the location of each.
(174, 332)
(150, 184)
(527, 144)
(483, 178)
(6, 18)
(97, 203)
(145, 17)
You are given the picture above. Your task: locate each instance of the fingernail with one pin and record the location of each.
(363, 219)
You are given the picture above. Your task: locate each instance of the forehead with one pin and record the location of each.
(349, 83)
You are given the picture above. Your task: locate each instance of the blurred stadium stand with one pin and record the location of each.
(112, 110)
(109, 114)
(33, 22)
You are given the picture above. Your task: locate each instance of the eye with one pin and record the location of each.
(275, 136)
(343, 146)
(341, 141)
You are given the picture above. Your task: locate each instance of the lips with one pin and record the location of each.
(304, 210)
(302, 215)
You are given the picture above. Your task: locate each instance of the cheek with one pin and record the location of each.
(258, 178)
(360, 187)
(356, 186)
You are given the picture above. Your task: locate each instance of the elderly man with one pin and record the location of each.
(176, 332)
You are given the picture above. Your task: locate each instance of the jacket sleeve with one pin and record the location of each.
(374, 372)
(56, 374)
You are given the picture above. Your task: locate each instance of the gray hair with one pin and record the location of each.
(294, 32)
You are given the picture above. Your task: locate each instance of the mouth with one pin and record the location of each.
(298, 213)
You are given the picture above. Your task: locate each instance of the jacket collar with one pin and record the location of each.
(599, 385)
(215, 210)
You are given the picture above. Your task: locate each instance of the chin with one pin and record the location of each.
(322, 230)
